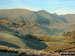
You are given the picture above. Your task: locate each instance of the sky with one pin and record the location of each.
(52, 6)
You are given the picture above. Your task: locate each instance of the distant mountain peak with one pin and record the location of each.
(17, 8)
(43, 11)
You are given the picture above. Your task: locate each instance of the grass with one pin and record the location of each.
(8, 38)
(57, 45)
(52, 45)
(21, 42)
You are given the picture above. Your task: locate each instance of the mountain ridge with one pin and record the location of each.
(44, 19)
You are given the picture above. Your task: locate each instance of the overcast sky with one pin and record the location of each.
(52, 6)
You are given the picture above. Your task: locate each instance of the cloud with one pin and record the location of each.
(64, 11)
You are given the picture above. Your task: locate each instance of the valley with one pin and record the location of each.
(38, 31)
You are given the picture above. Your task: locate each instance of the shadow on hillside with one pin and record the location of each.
(33, 42)
(5, 28)
(49, 31)
(8, 44)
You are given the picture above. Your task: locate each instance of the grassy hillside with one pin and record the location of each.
(20, 42)
(13, 40)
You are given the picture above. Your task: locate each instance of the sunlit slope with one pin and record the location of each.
(8, 38)
(20, 42)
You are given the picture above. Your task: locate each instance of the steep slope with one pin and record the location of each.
(23, 14)
(71, 21)
(49, 23)
(52, 17)
(13, 14)
(70, 17)
(35, 18)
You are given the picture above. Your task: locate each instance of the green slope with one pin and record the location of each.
(8, 38)
(14, 41)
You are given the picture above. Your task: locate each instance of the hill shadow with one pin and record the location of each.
(32, 42)
(8, 44)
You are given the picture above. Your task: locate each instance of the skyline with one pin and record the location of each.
(52, 6)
